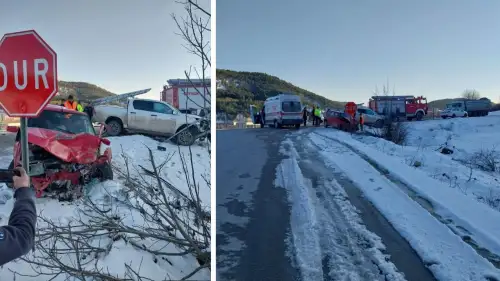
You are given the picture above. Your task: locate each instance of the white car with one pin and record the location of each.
(452, 112)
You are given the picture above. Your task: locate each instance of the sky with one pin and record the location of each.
(120, 45)
(344, 50)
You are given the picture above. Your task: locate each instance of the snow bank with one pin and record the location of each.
(440, 249)
(482, 186)
(449, 203)
(121, 253)
(466, 135)
(135, 150)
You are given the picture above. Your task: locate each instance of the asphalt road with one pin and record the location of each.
(255, 224)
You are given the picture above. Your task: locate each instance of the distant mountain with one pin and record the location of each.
(236, 91)
(81, 91)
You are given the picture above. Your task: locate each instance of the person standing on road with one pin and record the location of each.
(263, 115)
(317, 115)
(18, 237)
(304, 115)
(361, 121)
(313, 115)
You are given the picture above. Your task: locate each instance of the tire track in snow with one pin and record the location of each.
(328, 238)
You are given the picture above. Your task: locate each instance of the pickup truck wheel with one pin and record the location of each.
(185, 138)
(114, 128)
(379, 123)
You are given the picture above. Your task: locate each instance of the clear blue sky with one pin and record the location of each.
(343, 49)
(120, 45)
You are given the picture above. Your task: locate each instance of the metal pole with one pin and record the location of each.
(24, 144)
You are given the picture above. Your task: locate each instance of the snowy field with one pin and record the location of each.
(444, 205)
(130, 247)
(474, 141)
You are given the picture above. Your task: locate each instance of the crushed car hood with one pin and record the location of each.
(80, 148)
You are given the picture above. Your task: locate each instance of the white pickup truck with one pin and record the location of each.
(151, 117)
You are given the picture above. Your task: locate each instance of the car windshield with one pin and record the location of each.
(63, 122)
(291, 106)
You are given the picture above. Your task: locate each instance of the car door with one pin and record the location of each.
(370, 116)
(139, 115)
(165, 119)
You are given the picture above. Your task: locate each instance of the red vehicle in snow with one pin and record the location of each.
(65, 152)
(409, 107)
(339, 120)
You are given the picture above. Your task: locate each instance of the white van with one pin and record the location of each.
(283, 110)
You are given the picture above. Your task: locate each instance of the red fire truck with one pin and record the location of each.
(409, 107)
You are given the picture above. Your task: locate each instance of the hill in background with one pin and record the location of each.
(236, 91)
(82, 91)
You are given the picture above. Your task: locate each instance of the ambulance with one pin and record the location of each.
(283, 110)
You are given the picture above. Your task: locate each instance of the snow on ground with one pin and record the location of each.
(120, 254)
(317, 241)
(448, 257)
(466, 137)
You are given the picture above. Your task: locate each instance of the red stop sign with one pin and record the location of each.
(28, 74)
(351, 108)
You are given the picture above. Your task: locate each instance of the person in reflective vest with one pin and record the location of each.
(317, 115)
(70, 103)
(79, 107)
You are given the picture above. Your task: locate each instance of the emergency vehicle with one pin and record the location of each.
(189, 96)
(408, 107)
(283, 110)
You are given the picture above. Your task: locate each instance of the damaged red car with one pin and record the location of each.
(65, 153)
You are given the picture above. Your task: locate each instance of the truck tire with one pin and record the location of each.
(420, 115)
(114, 127)
(379, 123)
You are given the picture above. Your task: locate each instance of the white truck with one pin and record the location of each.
(467, 108)
(151, 117)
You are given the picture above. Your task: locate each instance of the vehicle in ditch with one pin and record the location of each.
(371, 118)
(65, 153)
(152, 117)
(339, 120)
(467, 108)
(409, 107)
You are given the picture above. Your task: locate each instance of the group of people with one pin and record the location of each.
(315, 114)
(70, 103)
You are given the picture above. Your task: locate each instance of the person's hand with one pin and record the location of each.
(21, 181)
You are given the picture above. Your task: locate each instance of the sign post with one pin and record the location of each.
(351, 108)
(28, 79)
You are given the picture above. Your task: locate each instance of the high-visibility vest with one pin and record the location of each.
(70, 105)
(79, 107)
(317, 112)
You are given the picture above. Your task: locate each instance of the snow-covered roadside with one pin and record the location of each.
(448, 257)
(450, 204)
(482, 186)
(316, 229)
(121, 254)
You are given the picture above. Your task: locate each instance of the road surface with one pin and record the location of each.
(282, 214)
